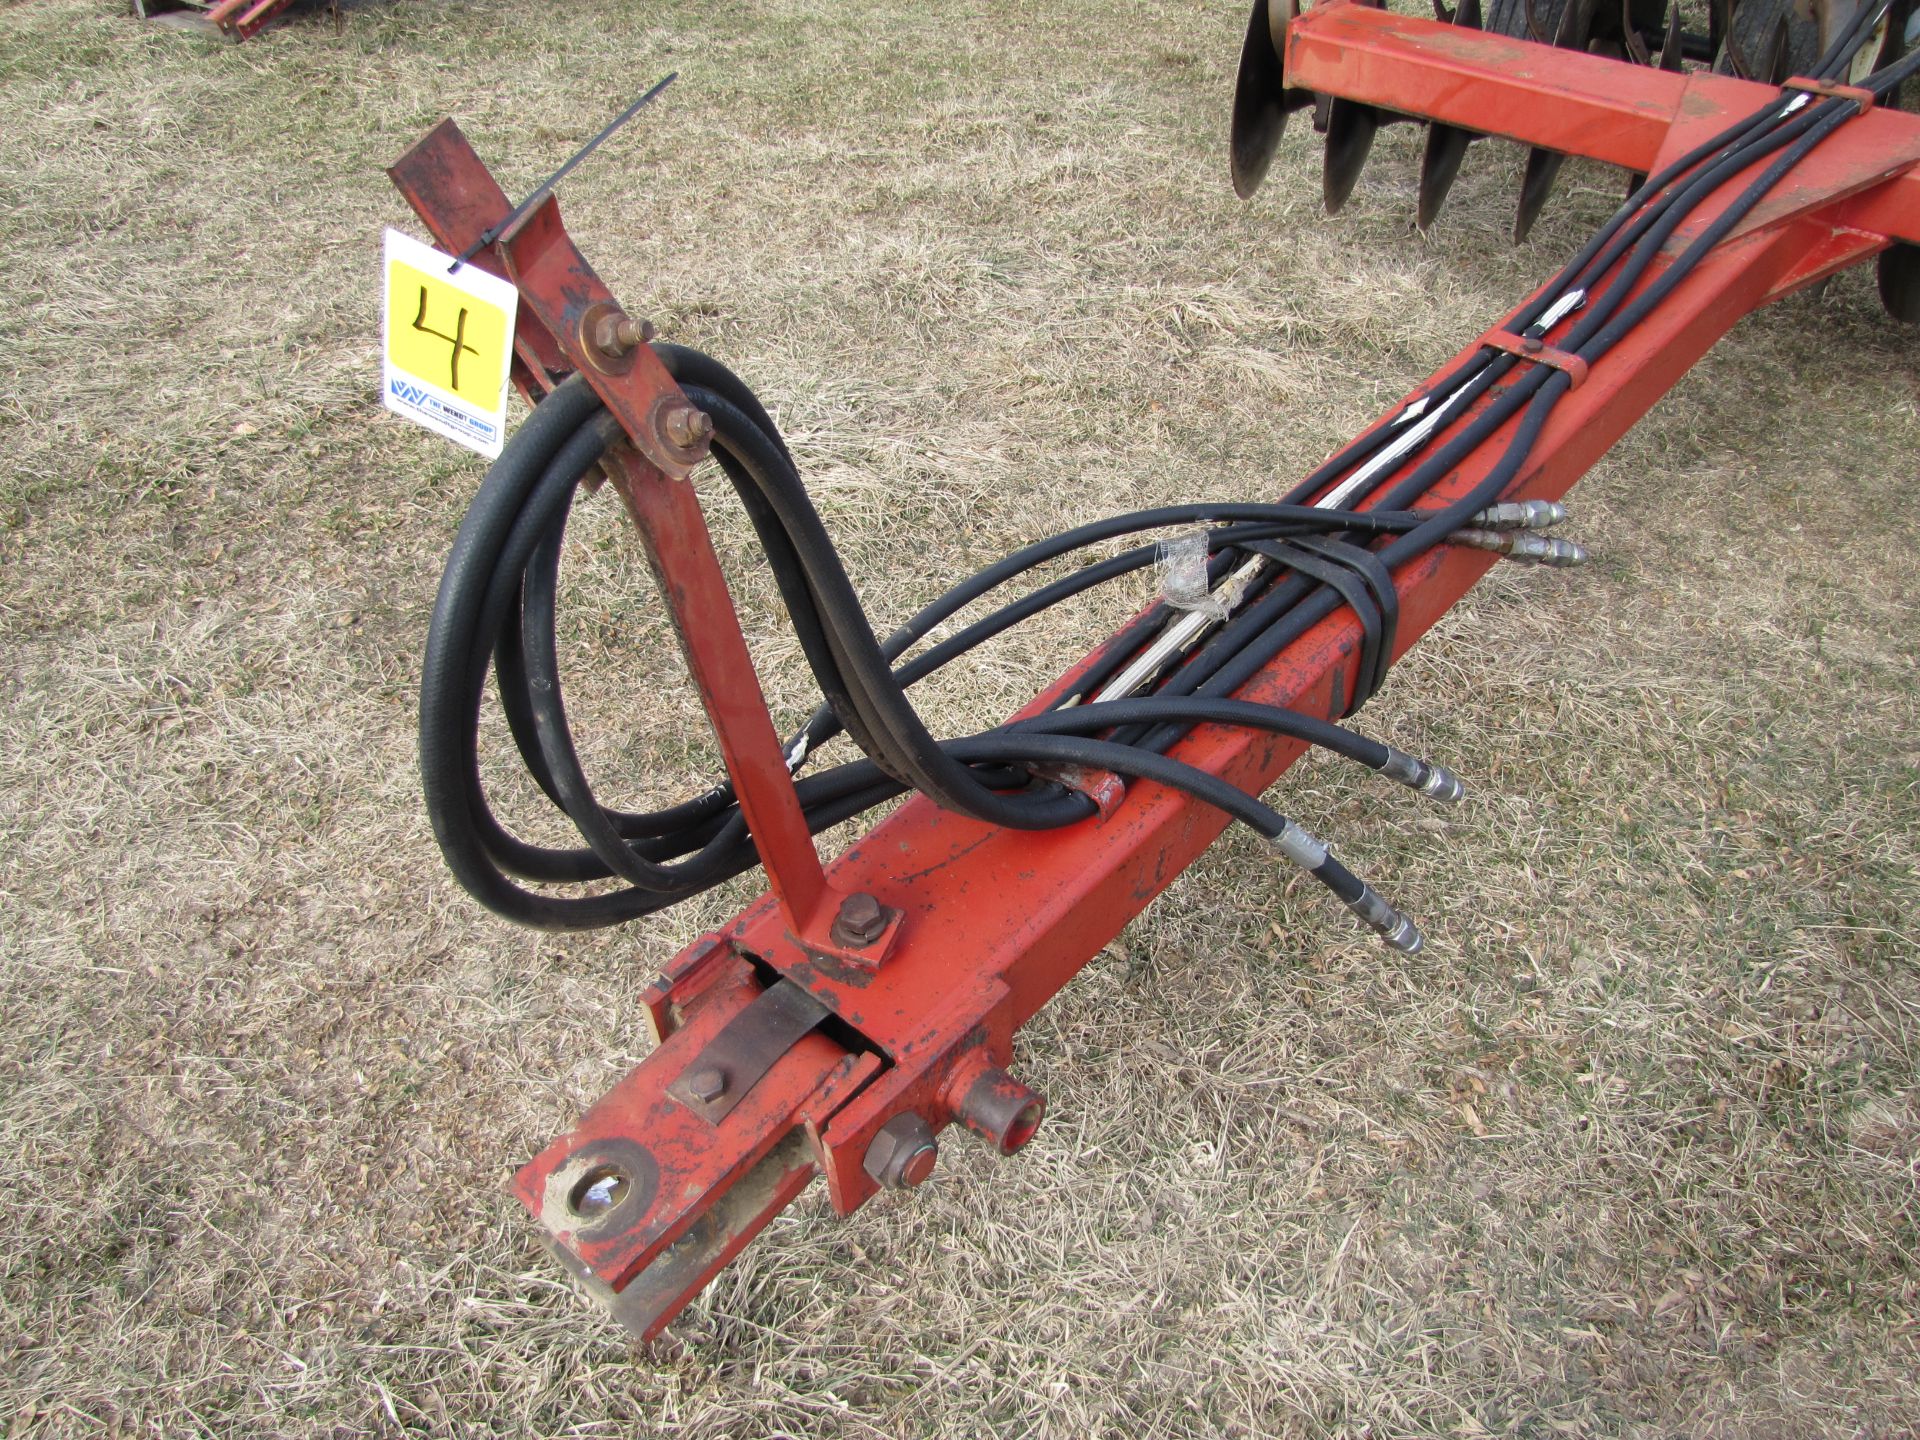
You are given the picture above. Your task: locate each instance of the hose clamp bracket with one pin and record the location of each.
(1527, 347)
(1832, 90)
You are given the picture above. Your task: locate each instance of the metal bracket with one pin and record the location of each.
(847, 956)
(738, 1058)
(1527, 347)
(1103, 787)
(1832, 90)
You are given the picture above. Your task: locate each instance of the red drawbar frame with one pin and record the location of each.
(986, 925)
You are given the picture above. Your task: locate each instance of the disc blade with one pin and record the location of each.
(1278, 18)
(1259, 117)
(1542, 168)
(1439, 164)
(1350, 131)
(1898, 274)
(1670, 49)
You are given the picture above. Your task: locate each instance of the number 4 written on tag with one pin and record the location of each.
(448, 344)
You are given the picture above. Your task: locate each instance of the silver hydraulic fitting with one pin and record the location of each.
(1393, 927)
(1436, 782)
(1523, 547)
(1521, 515)
(1300, 845)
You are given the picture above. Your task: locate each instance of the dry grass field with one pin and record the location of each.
(1630, 1151)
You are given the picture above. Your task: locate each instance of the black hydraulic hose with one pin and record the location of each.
(1051, 594)
(477, 847)
(1303, 517)
(1225, 666)
(1431, 468)
(1822, 118)
(497, 598)
(1117, 653)
(1604, 332)
(1435, 466)
(904, 746)
(1738, 158)
(556, 439)
(696, 370)
(513, 683)
(1729, 150)
(1588, 260)
(1885, 82)
(1647, 201)
(1409, 770)
(1089, 719)
(1839, 55)
(455, 664)
(537, 513)
(534, 690)
(1234, 672)
(1303, 849)
(821, 726)
(1593, 259)
(596, 826)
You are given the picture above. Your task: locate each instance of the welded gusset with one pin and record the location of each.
(831, 1063)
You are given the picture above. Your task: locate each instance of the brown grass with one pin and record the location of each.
(1628, 1152)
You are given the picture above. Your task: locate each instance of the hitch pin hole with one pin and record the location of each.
(598, 1191)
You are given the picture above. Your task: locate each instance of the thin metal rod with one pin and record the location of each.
(540, 191)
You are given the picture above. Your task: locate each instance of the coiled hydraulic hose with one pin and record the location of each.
(498, 596)
(497, 601)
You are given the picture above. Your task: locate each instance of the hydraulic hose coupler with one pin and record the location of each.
(1523, 547)
(1520, 515)
(1436, 782)
(1309, 852)
(1393, 927)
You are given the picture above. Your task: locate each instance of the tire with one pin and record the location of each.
(1771, 38)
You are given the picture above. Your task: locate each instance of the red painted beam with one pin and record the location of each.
(1559, 99)
(996, 922)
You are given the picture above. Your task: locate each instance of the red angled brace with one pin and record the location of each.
(1528, 348)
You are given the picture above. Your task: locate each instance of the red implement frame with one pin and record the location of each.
(239, 19)
(784, 1053)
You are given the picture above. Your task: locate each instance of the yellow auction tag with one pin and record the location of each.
(449, 344)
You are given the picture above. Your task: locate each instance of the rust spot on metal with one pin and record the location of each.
(818, 968)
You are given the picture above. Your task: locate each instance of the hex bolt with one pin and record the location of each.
(861, 921)
(902, 1154)
(687, 428)
(707, 1084)
(615, 334)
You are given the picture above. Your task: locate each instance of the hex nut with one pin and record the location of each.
(615, 334)
(902, 1154)
(686, 427)
(707, 1084)
(861, 921)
